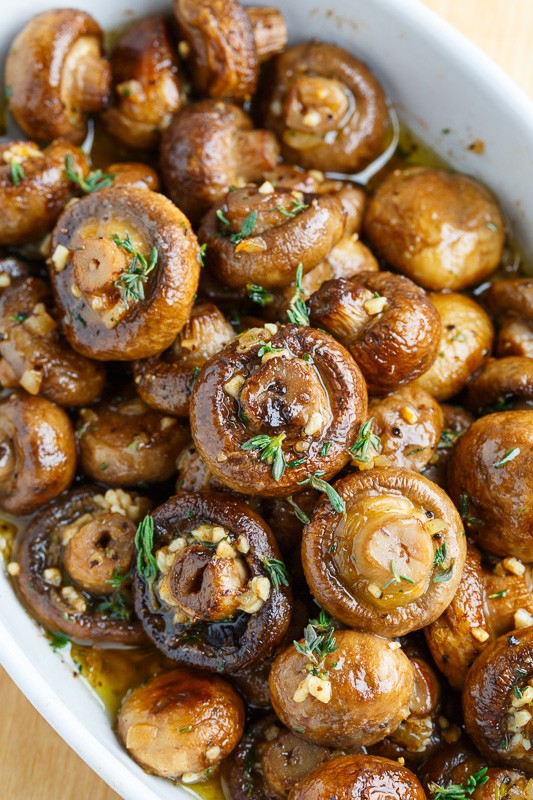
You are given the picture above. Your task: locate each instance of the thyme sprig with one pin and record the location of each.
(298, 513)
(457, 792)
(323, 486)
(319, 642)
(17, 173)
(509, 456)
(131, 283)
(396, 577)
(270, 448)
(297, 312)
(258, 294)
(366, 440)
(296, 208)
(464, 512)
(97, 179)
(144, 542)
(247, 228)
(277, 572)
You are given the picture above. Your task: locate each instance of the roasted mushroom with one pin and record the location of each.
(327, 108)
(223, 44)
(393, 562)
(56, 74)
(147, 84)
(123, 442)
(181, 724)
(277, 410)
(134, 173)
(260, 234)
(74, 563)
(209, 147)
(193, 472)
(456, 420)
(385, 321)
(443, 230)
(351, 689)
(124, 268)
(466, 342)
(212, 591)
(37, 452)
(496, 698)
(165, 381)
(33, 353)
(511, 302)
(34, 188)
(11, 269)
(501, 384)
(490, 478)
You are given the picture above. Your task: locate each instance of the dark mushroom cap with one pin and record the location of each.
(99, 319)
(490, 477)
(37, 354)
(393, 563)
(450, 764)
(37, 452)
(57, 74)
(327, 108)
(515, 338)
(12, 268)
(513, 296)
(220, 644)
(51, 598)
(443, 230)
(456, 420)
(311, 394)
(501, 381)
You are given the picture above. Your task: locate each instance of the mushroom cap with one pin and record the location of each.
(500, 381)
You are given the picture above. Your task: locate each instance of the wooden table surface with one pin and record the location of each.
(35, 762)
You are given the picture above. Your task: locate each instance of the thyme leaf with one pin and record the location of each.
(366, 440)
(144, 542)
(97, 179)
(277, 572)
(323, 486)
(297, 312)
(131, 283)
(270, 448)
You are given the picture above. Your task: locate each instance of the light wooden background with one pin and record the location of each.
(35, 764)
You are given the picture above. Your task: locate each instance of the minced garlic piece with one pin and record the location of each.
(314, 424)
(60, 256)
(514, 566)
(480, 634)
(313, 685)
(409, 415)
(120, 502)
(234, 385)
(375, 305)
(523, 618)
(31, 380)
(52, 575)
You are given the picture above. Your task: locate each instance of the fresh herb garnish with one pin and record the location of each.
(58, 641)
(325, 449)
(323, 486)
(20, 317)
(277, 572)
(396, 578)
(17, 173)
(247, 227)
(144, 542)
(465, 514)
(131, 282)
(220, 215)
(517, 691)
(366, 440)
(319, 642)
(498, 594)
(444, 575)
(271, 451)
(295, 209)
(448, 439)
(266, 347)
(114, 607)
(441, 553)
(297, 312)
(97, 179)
(456, 792)
(117, 578)
(258, 294)
(296, 462)
(509, 456)
(201, 254)
(298, 513)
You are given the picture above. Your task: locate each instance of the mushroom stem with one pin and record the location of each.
(255, 153)
(91, 79)
(97, 265)
(269, 29)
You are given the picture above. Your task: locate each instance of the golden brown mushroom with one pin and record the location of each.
(134, 173)
(147, 84)
(511, 302)
(37, 452)
(443, 230)
(385, 321)
(502, 384)
(33, 353)
(56, 74)
(456, 420)
(124, 267)
(327, 108)
(181, 724)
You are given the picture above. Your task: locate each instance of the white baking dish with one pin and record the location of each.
(439, 82)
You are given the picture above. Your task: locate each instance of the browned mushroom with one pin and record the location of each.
(456, 420)
(124, 268)
(393, 562)
(260, 234)
(327, 108)
(181, 724)
(37, 452)
(193, 472)
(210, 588)
(33, 353)
(287, 517)
(385, 321)
(353, 689)
(209, 147)
(57, 74)
(466, 342)
(223, 44)
(74, 565)
(123, 442)
(11, 269)
(490, 477)
(34, 188)
(277, 409)
(501, 384)
(134, 173)
(443, 230)
(511, 302)
(147, 83)
(165, 381)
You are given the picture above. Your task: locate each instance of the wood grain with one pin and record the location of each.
(36, 763)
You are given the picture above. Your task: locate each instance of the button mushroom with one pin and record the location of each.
(443, 230)
(326, 107)
(124, 266)
(392, 564)
(134, 173)
(277, 410)
(456, 420)
(181, 724)
(501, 384)
(511, 302)
(147, 84)
(37, 452)
(57, 74)
(385, 321)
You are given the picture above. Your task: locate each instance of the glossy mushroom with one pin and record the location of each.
(277, 410)
(466, 342)
(511, 302)
(385, 321)
(34, 354)
(181, 724)
(147, 82)
(501, 384)
(11, 269)
(57, 74)
(123, 442)
(134, 173)
(326, 107)
(393, 562)
(34, 188)
(490, 477)
(37, 452)
(441, 229)
(74, 563)
(165, 381)
(209, 147)
(223, 44)
(456, 420)
(211, 591)
(124, 267)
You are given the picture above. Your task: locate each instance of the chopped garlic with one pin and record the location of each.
(523, 618)
(60, 257)
(375, 305)
(409, 415)
(31, 380)
(314, 424)
(52, 575)
(13, 569)
(234, 386)
(266, 188)
(480, 634)
(514, 566)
